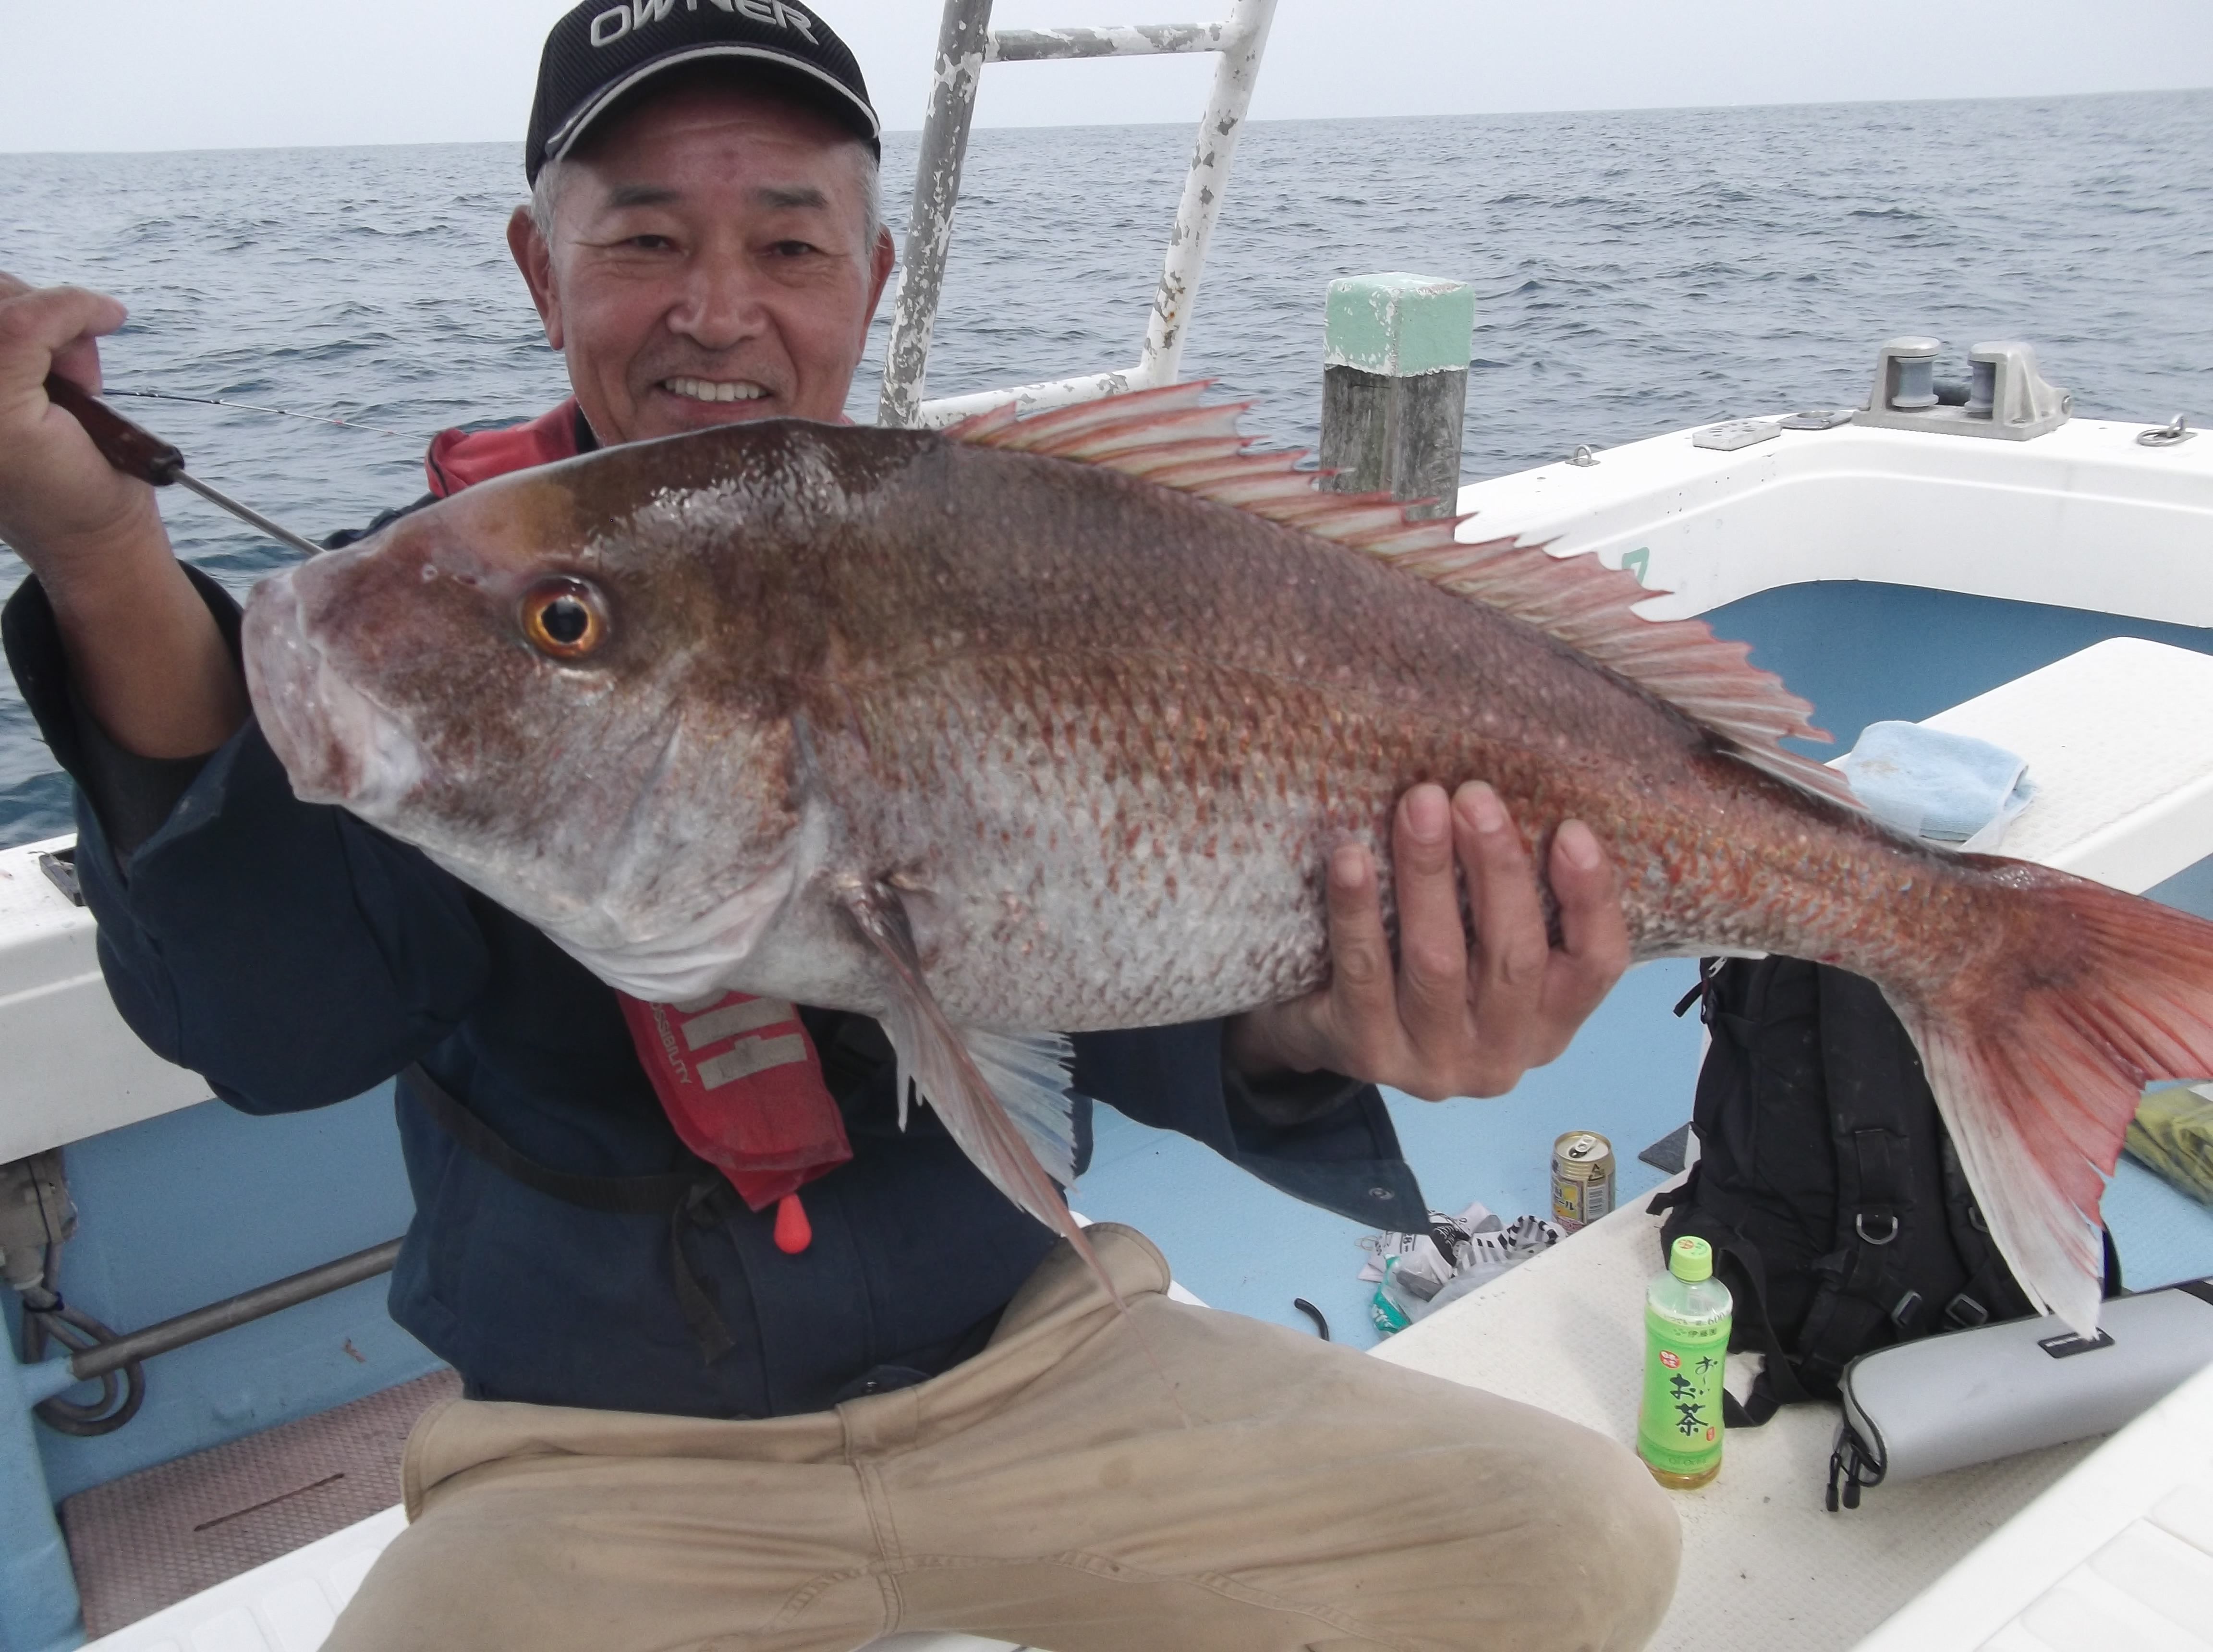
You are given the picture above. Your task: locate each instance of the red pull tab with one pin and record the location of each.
(794, 1232)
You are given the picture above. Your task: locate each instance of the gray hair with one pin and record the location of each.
(545, 194)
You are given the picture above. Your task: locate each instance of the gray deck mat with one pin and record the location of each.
(153, 1538)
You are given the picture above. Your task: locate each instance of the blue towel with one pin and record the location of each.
(1951, 789)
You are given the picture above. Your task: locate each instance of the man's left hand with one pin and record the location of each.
(1458, 1016)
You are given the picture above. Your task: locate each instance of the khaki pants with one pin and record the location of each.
(1048, 1491)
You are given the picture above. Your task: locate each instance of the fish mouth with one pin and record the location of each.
(337, 744)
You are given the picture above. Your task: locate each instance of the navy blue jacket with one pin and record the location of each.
(296, 956)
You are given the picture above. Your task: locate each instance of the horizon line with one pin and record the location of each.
(1277, 120)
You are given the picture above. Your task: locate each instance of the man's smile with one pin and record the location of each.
(714, 389)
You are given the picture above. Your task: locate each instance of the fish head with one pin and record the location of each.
(565, 687)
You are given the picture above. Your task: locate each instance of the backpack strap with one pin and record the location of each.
(1738, 1263)
(701, 1196)
(1875, 1084)
(1990, 1292)
(1732, 995)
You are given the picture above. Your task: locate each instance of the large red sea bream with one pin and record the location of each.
(1050, 724)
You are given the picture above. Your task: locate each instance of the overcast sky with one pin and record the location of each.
(198, 74)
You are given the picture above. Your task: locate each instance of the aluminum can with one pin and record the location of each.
(1582, 1179)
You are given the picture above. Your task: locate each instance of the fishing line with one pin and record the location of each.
(250, 407)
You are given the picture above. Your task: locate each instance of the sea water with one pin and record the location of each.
(1637, 271)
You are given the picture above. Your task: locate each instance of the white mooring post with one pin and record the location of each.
(1394, 387)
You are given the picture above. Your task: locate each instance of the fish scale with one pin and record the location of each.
(1051, 724)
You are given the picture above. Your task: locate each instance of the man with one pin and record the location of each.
(686, 1426)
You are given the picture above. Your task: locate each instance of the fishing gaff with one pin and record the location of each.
(138, 452)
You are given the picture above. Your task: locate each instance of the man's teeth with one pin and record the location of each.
(713, 390)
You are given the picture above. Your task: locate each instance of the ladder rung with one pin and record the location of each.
(1123, 40)
(1238, 41)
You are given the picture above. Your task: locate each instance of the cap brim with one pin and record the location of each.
(564, 137)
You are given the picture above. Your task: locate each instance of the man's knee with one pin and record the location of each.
(1624, 1543)
(446, 1584)
(1562, 1540)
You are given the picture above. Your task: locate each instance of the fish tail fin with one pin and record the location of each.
(2038, 1054)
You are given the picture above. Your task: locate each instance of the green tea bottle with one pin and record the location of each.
(1686, 1333)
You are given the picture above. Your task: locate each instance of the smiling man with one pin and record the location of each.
(876, 1396)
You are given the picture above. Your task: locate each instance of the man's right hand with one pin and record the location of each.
(147, 658)
(58, 498)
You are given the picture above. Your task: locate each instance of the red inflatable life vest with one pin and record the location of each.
(459, 459)
(738, 1076)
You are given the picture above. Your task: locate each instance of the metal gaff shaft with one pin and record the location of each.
(283, 536)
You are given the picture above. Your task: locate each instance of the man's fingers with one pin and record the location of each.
(1432, 936)
(1512, 950)
(1362, 1007)
(1351, 1023)
(78, 362)
(42, 330)
(1593, 933)
(1444, 1020)
(58, 498)
(1359, 952)
(52, 328)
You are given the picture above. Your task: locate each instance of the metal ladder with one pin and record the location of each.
(965, 42)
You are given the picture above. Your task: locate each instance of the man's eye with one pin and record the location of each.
(651, 243)
(794, 248)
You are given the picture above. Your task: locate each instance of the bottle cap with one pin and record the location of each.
(1691, 1258)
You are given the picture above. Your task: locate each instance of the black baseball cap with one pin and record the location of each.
(600, 54)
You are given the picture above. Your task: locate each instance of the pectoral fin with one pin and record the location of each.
(1002, 1096)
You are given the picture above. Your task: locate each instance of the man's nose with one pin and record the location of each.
(720, 304)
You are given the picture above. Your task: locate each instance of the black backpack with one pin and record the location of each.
(1840, 1217)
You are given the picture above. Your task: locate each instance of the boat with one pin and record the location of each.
(223, 1487)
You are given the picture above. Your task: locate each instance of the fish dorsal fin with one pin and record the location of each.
(1170, 436)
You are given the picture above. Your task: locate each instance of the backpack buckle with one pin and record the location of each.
(1859, 1227)
(1963, 1313)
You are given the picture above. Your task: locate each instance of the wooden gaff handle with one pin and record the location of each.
(133, 451)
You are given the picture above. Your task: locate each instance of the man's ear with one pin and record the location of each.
(536, 259)
(880, 259)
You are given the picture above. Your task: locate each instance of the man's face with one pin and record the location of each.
(706, 264)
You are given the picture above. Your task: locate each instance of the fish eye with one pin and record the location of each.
(563, 618)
